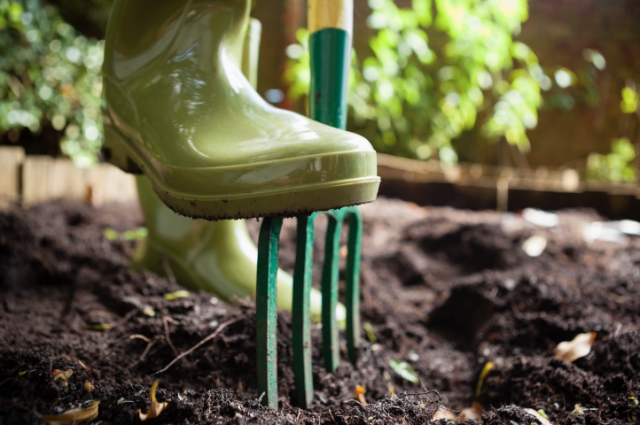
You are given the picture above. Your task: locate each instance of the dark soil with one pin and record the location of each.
(445, 290)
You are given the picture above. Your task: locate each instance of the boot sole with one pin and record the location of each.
(284, 202)
(270, 204)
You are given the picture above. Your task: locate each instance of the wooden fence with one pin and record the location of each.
(31, 179)
(474, 186)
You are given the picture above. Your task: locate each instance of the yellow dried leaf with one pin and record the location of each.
(579, 347)
(359, 394)
(149, 311)
(473, 413)
(444, 413)
(538, 416)
(77, 415)
(485, 372)
(392, 391)
(577, 410)
(88, 386)
(156, 408)
(63, 376)
(470, 414)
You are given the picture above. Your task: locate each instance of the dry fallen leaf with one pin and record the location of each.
(392, 391)
(444, 413)
(77, 415)
(538, 416)
(88, 386)
(63, 376)
(473, 413)
(149, 311)
(579, 347)
(485, 372)
(156, 408)
(535, 245)
(359, 394)
(577, 410)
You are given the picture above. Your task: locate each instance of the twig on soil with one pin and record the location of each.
(138, 336)
(143, 355)
(146, 351)
(166, 320)
(125, 319)
(192, 349)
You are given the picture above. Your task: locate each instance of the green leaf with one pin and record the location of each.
(177, 294)
(405, 370)
(136, 234)
(15, 12)
(369, 330)
(110, 234)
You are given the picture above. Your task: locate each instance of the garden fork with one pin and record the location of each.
(330, 29)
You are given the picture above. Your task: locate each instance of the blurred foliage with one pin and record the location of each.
(576, 88)
(129, 235)
(423, 90)
(49, 76)
(629, 102)
(439, 66)
(616, 166)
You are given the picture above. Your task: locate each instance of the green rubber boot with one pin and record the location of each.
(178, 109)
(217, 257)
(214, 256)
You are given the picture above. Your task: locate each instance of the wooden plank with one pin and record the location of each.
(45, 178)
(35, 173)
(117, 186)
(11, 159)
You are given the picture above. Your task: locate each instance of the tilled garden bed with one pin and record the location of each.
(444, 290)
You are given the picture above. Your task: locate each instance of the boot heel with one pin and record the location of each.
(114, 151)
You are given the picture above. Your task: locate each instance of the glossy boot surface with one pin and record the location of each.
(217, 257)
(179, 109)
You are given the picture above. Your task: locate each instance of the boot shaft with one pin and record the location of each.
(147, 34)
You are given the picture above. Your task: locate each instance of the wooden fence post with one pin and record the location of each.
(11, 158)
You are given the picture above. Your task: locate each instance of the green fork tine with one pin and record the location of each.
(302, 277)
(302, 290)
(267, 318)
(330, 27)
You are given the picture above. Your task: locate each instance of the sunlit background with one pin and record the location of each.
(543, 83)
